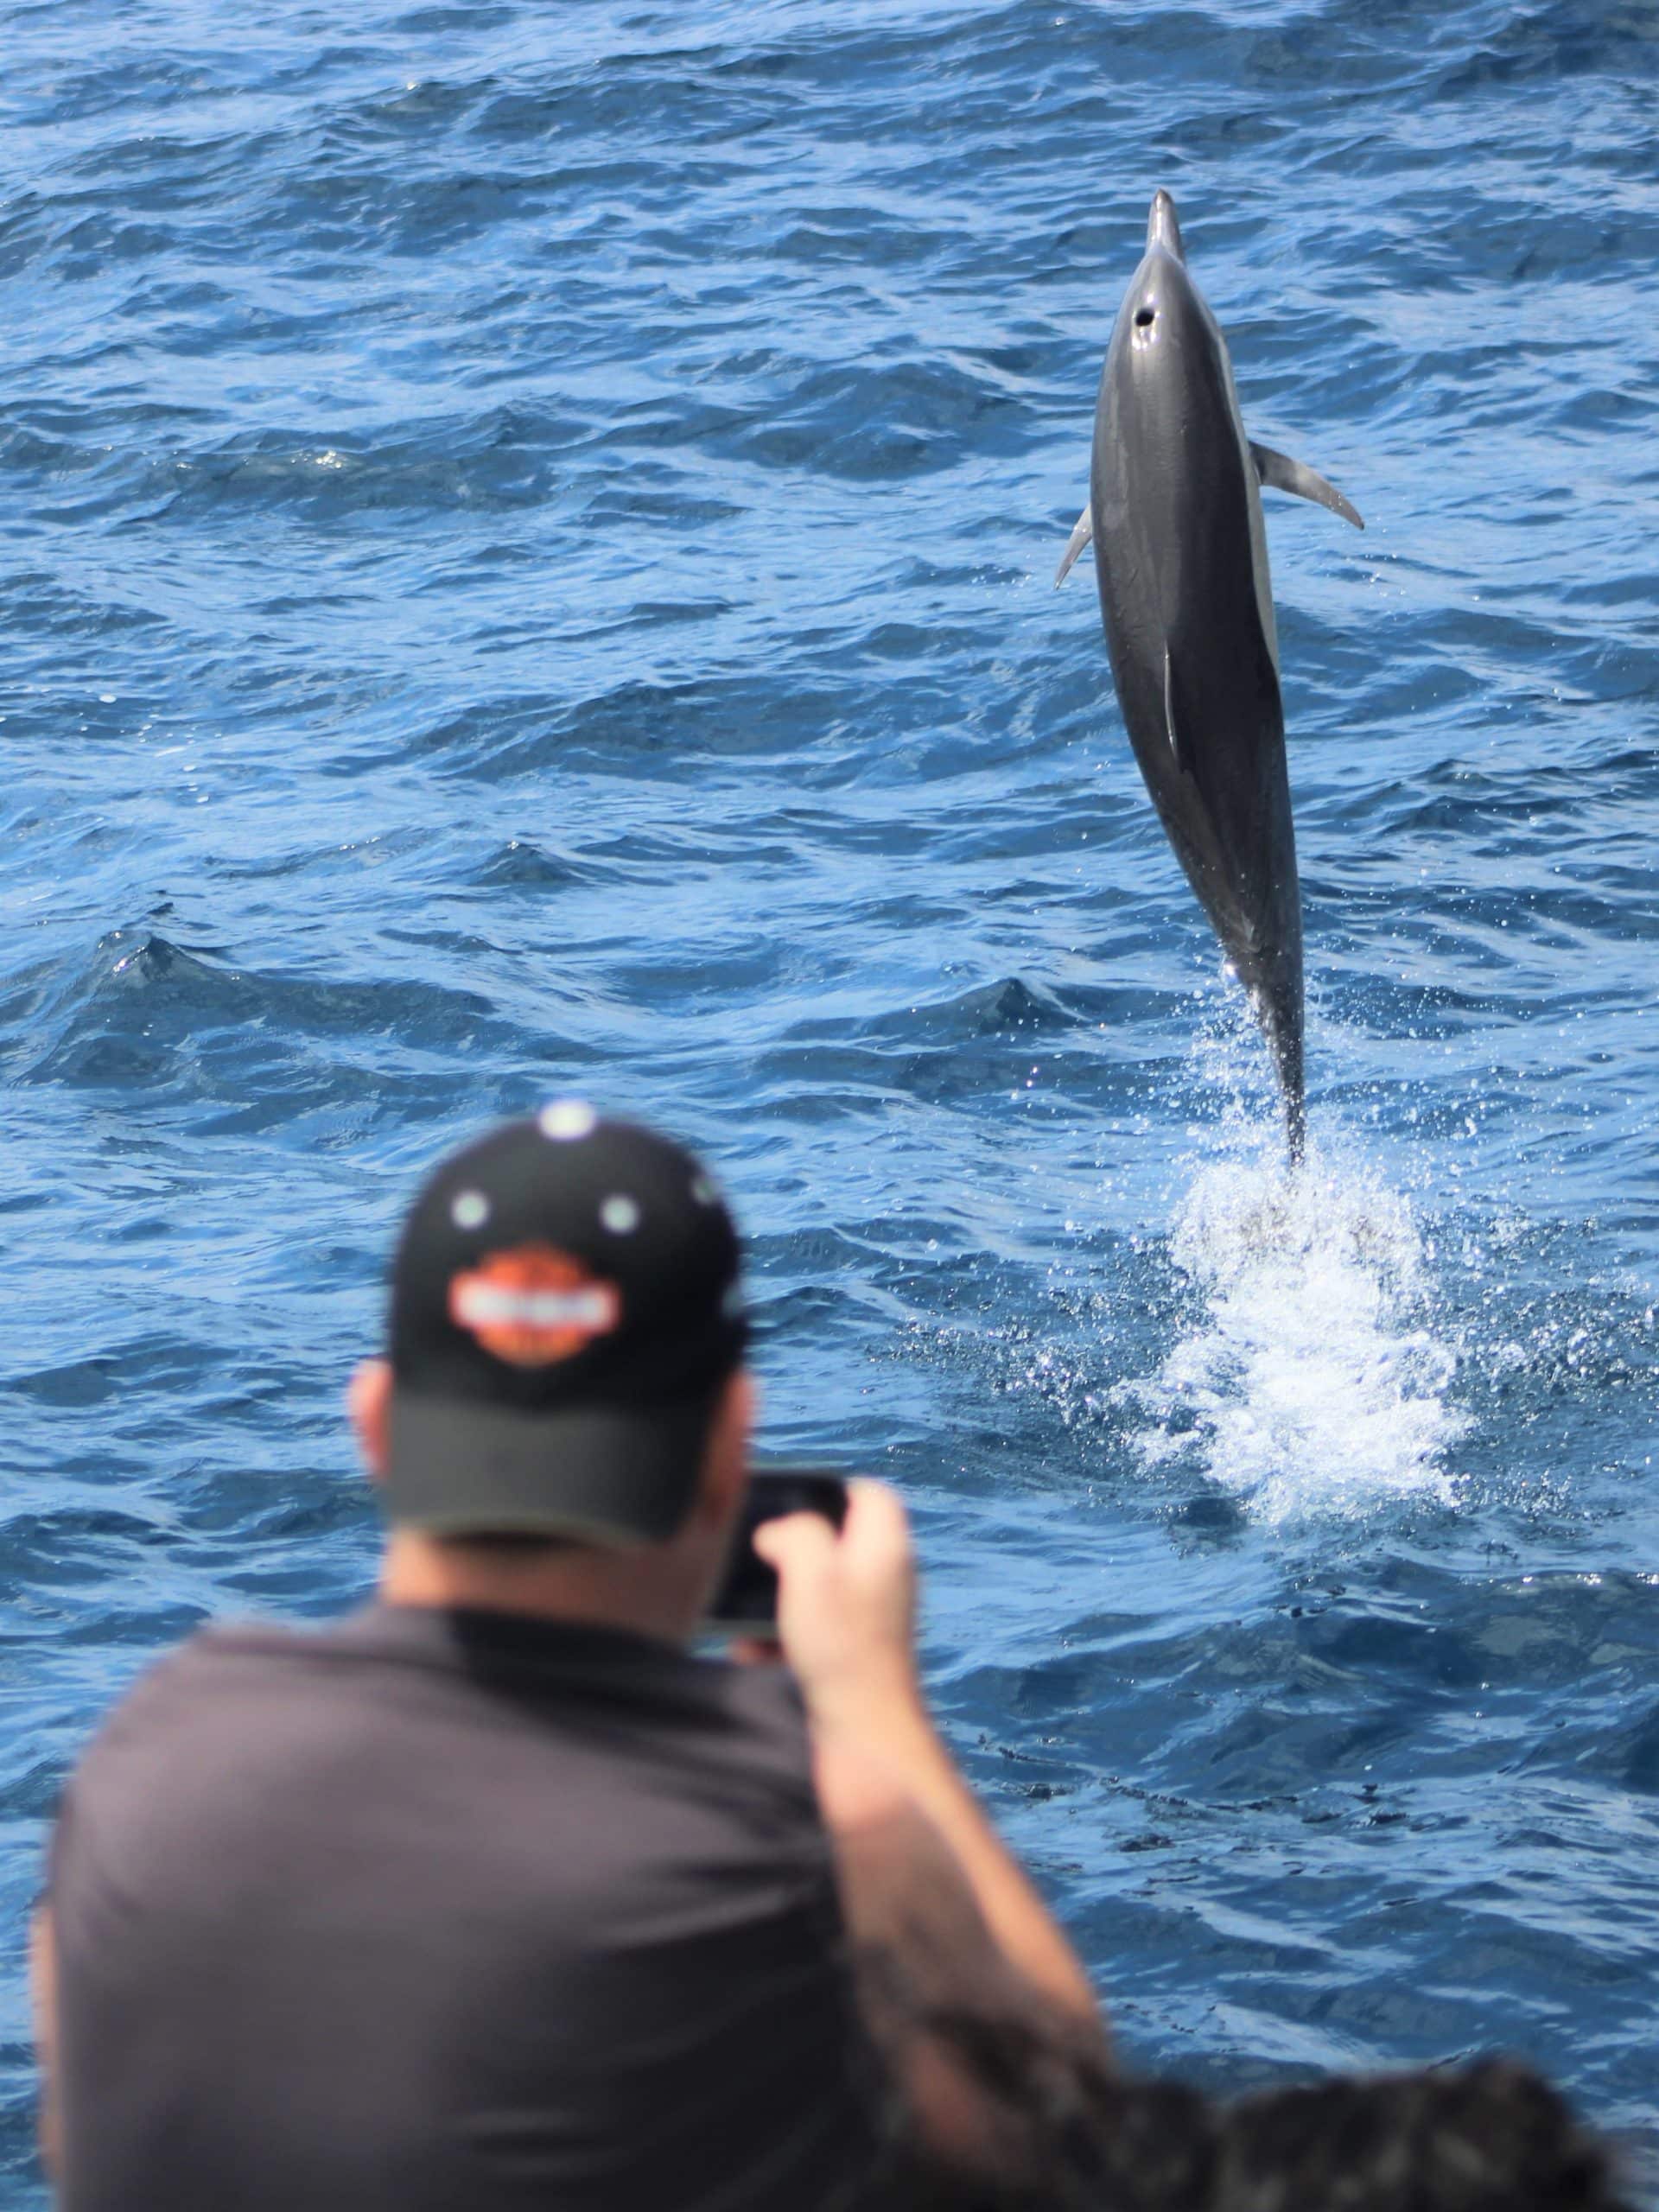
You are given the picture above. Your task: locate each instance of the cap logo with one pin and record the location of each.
(533, 1306)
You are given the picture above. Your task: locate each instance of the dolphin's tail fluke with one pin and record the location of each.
(1280, 1014)
(1296, 1127)
(1288, 1059)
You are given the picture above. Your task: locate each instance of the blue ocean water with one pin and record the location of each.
(526, 570)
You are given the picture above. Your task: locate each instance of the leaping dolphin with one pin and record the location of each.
(1181, 558)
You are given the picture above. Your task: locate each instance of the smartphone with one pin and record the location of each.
(746, 1602)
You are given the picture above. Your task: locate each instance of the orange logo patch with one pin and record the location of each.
(533, 1306)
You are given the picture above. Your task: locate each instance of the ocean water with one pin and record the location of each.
(526, 570)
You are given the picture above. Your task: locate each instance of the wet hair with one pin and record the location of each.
(1490, 2137)
(1493, 2137)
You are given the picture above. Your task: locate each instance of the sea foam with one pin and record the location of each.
(1308, 1375)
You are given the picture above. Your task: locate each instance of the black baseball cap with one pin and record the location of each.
(565, 1310)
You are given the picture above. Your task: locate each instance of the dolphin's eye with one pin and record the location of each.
(1145, 317)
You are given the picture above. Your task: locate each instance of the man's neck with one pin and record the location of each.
(627, 1590)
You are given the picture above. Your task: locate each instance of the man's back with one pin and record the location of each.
(444, 1909)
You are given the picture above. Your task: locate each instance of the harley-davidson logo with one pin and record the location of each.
(533, 1306)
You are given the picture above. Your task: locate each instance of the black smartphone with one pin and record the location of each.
(746, 1602)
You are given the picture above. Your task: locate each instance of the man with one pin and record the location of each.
(495, 1895)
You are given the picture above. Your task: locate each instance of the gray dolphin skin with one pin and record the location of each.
(1181, 558)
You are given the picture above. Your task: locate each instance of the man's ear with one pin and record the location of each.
(368, 1401)
(726, 1455)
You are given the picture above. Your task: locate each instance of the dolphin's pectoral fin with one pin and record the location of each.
(1172, 721)
(1074, 546)
(1287, 475)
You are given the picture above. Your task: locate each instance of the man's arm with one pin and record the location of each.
(846, 1619)
(977, 2002)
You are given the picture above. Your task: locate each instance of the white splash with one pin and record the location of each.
(1310, 1380)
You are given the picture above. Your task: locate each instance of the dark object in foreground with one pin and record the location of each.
(1181, 559)
(1492, 2137)
(748, 1596)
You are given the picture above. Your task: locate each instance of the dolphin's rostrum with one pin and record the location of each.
(1181, 557)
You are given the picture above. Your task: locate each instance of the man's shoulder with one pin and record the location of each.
(224, 1655)
(245, 1683)
(222, 1672)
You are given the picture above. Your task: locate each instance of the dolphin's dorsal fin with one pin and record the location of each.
(1083, 531)
(1287, 475)
(1171, 723)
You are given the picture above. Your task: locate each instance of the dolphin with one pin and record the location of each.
(1181, 559)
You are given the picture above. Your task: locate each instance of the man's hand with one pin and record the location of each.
(847, 1614)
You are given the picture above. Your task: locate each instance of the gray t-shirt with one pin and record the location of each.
(454, 1912)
